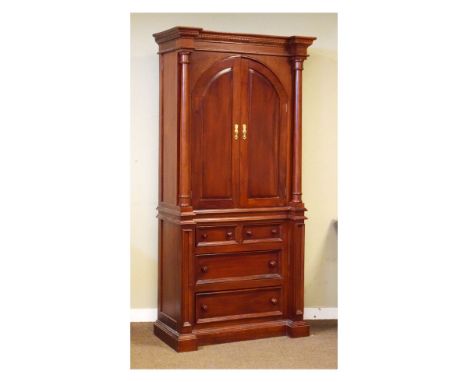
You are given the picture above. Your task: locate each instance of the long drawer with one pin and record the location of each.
(226, 266)
(238, 304)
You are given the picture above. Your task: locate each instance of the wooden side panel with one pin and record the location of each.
(170, 282)
(169, 138)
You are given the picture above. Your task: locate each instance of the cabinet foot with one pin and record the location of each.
(298, 329)
(179, 342)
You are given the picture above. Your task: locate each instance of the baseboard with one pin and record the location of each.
(320, 313)
(150, 315)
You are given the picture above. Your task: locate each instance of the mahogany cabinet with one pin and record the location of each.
(231, 217)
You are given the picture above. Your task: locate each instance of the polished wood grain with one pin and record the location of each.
(235, 265)
(255, 233)
(216, 235)
(215, 154)
(169, 259)
(231, 217)
(238, 305)
(169, 134)
(263, 155)
(297, 135)
(184, 132)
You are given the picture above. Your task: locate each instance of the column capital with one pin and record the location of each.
(184, 56)
(297, 62)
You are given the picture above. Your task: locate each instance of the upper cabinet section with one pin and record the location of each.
(201, 40)
(230, 119)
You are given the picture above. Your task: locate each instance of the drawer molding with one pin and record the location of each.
(239, 317)
(240, 278)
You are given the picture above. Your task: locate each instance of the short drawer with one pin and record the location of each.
(228, 266)
(216, 235)
(252, 233)
(238, 304)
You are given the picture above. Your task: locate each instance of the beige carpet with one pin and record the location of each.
(319, 351)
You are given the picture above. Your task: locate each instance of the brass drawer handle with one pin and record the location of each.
(204, 308)
(244, 131)
(248, 233)
(272, 263)
(204, 236)
(204, 268)
(229, 235)
(274, 301)
(274, 231)
(236, 131)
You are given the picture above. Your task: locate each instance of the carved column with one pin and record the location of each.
(184, 138)
(187, 305)
(297, 131)
(297, 327)
(185, 200)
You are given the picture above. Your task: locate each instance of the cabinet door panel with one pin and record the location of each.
(263, 151)
(263, 139)
(214, 150)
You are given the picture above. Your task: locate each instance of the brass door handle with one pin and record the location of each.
(236, 131)
(244, 131)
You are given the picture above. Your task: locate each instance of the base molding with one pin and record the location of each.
(240, 332)
(222, 334)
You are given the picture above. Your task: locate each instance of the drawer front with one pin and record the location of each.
(252, 233)
(238, 304)
(216, 235)
(237, 265)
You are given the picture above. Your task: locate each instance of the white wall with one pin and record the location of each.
(319, 143)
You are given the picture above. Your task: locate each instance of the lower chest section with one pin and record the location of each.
(240, 272)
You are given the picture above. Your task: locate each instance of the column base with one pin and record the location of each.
(179, 342)
(298, 329)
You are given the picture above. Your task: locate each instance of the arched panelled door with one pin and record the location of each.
(239, 135)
